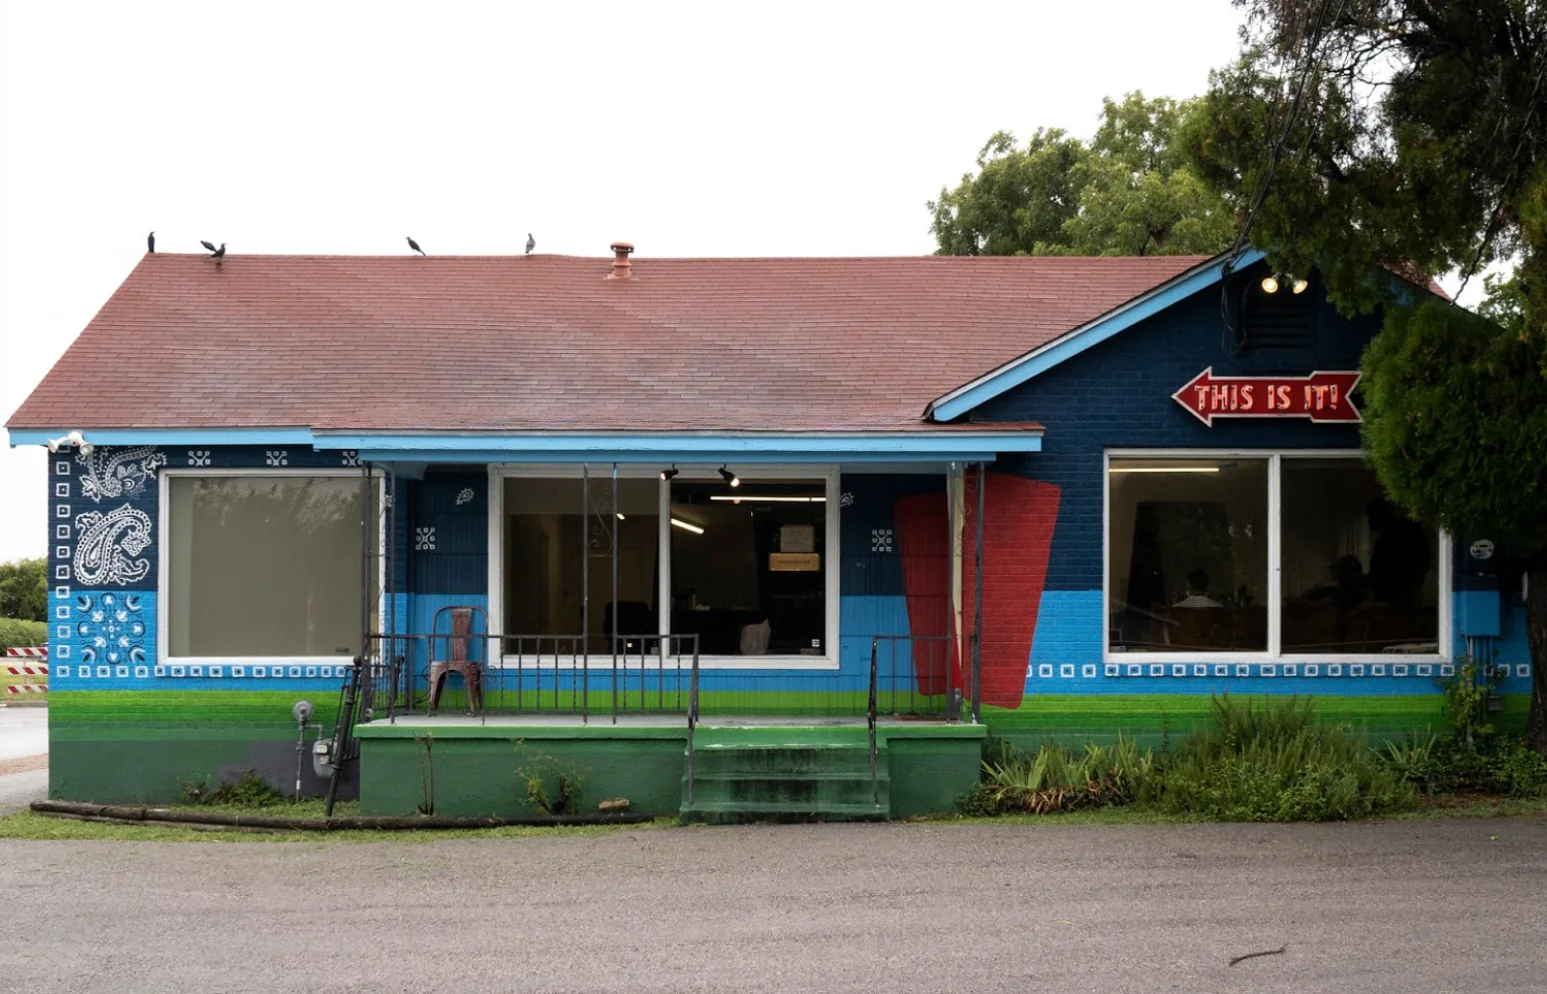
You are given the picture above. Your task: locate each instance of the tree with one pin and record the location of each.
(1130, 191)
(1370, 136)
(24, 590)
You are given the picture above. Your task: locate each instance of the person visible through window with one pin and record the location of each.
(1197, 591)
(1399, 558)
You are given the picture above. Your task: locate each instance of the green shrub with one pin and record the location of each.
(22, 633)
(249, 791)
(1057, 779)
(1275, 762)
(549, 786)
(1493, 764)
(1466, 701)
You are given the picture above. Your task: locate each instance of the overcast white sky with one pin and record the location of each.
(713, 129)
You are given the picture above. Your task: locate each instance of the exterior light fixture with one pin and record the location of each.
(1299, 286)
(730, 478)
(73, 440)
(1270, 284)
(667, 474)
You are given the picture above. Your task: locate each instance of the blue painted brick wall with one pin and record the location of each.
(1118, 394)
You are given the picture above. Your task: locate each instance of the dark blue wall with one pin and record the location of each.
(1118, 394)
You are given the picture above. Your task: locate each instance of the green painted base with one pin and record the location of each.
(123, 747)
(473, 769)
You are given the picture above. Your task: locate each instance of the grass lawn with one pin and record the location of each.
(29, 825)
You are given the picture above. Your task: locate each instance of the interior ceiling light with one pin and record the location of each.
(1270, 284)
(770, 498)
(1298, 286)
(729, 477)
(686, 526)
(667, 474)
(1165, 469)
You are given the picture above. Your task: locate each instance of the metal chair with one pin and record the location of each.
(454, 652)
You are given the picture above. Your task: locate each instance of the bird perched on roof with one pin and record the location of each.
(531, 243)
(215, 253)
(414, 245)
(150, 243)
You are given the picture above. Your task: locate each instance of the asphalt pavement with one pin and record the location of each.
(881, 909)
(23, 731)
(23, 759)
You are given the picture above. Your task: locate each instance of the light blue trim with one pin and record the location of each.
(783, 445)
(1017, 371)
(855, 447)
(169, 436)
(476, 453)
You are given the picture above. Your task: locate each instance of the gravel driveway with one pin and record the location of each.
(1400, 907)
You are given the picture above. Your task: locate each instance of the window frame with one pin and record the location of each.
(1274, 653)
(755, 472)
(164, 562)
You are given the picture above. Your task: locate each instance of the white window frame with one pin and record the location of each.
(164, 564)
(1274, 652)
(829, 474)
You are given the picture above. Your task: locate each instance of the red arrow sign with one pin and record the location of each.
(1321, 396)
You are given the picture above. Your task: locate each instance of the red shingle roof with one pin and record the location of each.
(546, 343)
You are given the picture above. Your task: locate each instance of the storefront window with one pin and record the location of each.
(263, 566)
(1188, 554)
(744, 567)
(748, 566)
(1358, 575)
(559, 547)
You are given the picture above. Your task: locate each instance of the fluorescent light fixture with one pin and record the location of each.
(1165, 469)
(686, 526)
(772, 499)
(620, 516)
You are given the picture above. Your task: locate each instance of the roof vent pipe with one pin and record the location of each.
(620, 266)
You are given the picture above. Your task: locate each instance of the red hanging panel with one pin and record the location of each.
(1018, 520)
(923, 544)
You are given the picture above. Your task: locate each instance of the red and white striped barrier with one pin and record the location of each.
(27, 669)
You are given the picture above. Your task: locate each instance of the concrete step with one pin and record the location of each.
(785, 774)
(734, 812)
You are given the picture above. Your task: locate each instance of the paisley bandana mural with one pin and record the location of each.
(118, 472)
(108, 544)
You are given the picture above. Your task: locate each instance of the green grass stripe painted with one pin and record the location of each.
(188, 707)
(1154, 711)
(503, 730)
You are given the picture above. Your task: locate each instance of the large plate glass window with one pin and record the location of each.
(265, 566)
(749, 566)
(559, 537)
(1358, 576)
(1188, 555)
